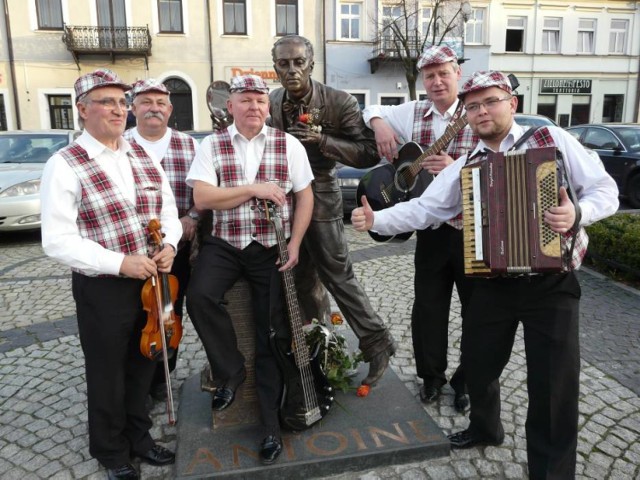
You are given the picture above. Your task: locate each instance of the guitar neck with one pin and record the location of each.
(440, 144)
(301, 351)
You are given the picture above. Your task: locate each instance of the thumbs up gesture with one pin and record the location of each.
(362, 217)
(562, 217)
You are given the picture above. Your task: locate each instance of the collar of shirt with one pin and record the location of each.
(440, 121)
(157, 149)
(95, 148)
(512, 137)
(248, 152)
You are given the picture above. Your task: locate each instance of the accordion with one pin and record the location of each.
(503, 203)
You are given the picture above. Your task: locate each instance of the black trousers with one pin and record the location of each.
(548, 308)
(110, 322)
(217, 268)
(439, 264)
(182, 270)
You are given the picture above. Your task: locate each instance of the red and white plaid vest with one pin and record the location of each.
(176, 164)
(462, 144)
(245, 223)
(105, 215)
(542, 138)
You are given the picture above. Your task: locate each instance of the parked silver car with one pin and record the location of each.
(22, 158)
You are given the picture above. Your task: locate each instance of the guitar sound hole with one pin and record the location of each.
(403, 177)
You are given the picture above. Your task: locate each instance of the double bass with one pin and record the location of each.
(163, 330)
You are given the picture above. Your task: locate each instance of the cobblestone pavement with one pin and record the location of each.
(43, 431)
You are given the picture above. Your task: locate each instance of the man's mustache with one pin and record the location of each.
(158, 115)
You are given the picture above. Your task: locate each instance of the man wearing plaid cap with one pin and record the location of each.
(98, 196)
(546, 304)
(173, 151)
(235, 170)
(438, 258)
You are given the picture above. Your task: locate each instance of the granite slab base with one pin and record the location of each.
(388, 426)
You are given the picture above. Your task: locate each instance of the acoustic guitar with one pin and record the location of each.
(386, 185)
(307, 395)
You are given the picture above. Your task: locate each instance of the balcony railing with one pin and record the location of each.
(385, 50)
(112, 41)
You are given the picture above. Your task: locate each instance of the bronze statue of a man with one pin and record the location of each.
(329, 124)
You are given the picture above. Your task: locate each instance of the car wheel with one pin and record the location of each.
(633, 191)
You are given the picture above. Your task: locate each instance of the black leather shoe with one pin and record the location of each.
(460, 402)
(429, 393)
(126, 471)
(222, 399)
(378, 365)
(468, 439)
(158, 456)
(225, 394)
(270, 449)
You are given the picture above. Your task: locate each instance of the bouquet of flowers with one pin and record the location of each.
(310, 119)
(338, 364)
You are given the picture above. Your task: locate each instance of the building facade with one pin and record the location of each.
(187, 44)
(577, 61)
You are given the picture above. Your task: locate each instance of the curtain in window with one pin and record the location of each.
(49, 14)
(286, 17)
(170, 13)
(234, 17)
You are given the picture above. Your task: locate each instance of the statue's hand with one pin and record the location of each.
(305, 133)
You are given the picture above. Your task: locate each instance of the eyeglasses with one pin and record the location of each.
(489, 104)
(111, 103)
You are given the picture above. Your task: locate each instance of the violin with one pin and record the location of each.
(163, 330)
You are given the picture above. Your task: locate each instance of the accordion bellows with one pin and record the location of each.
(503, 203)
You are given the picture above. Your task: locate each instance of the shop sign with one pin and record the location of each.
(565, 85)
(267, 75)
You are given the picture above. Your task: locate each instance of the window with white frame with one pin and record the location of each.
(234, 17)
(474, 29)
(170, 16)
(618, 36)
(349, 20)
(49, 13)
(286, 17)
(515, 34)
(586, 35)
(551, 35)
(426, 16)
(390, 15)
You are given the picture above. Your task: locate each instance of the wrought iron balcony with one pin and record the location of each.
(112, 41)
(386, 50)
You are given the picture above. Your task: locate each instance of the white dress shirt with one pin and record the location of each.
(157, 149)
(60, 196)
(249, 154)
(596, 191)
(401, 117)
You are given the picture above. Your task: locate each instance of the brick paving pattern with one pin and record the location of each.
(43, 431)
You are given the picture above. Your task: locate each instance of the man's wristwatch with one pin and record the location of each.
(193, 214)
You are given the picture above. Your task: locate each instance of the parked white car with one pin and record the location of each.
(22, 157)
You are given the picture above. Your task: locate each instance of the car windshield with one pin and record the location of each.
(630, 136)
(30, 148)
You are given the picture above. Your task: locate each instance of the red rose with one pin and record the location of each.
(363, 390)
(304, 118)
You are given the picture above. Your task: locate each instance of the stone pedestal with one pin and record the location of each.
(244, 410)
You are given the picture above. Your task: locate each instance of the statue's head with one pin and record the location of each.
(293, 62)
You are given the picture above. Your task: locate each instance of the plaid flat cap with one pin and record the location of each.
(148, 85)
(482, 80)
(248, 83)
(102, 77)
(435, 55)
